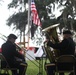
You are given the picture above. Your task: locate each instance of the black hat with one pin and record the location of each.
(12, 36)
(67, 32)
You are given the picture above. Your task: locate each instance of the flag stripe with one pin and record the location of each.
(35, 16)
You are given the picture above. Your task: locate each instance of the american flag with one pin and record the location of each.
(35, 16)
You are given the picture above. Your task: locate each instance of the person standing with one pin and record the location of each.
(11, 54)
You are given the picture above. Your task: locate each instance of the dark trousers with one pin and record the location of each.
(21, 68)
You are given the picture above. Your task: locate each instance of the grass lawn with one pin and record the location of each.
(32, 69)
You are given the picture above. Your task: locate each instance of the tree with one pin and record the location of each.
(18, 19)
(41, 7)
(68, 13)
(45, 10)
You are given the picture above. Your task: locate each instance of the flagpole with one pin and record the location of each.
(29, 9)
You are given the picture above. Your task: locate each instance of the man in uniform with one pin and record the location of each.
(10, 53)
(66, 46)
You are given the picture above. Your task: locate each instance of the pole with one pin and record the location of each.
(29, 4)
(24, 37)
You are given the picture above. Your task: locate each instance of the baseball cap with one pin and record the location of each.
(12, 36)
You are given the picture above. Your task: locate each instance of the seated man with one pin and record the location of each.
(10, 53)
(65, 47)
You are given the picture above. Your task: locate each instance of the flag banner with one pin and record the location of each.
(34, 14)
(35, 18)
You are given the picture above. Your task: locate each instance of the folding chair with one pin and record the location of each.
(49, 67)
(65, 64)
(6, 66)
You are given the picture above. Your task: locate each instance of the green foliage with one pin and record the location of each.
(45, 8)
(16, 3)
(49, 22)
(19, 20)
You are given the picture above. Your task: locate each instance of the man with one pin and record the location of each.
(66, 46)
(10, 53)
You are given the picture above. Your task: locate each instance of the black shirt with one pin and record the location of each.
(66, 47)
(10, 53)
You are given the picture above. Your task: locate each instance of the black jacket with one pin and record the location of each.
(66, 47)
(9, 51)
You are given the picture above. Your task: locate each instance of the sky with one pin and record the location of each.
(4, 14)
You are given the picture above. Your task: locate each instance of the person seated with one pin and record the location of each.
(11, 54)
(65, 47)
